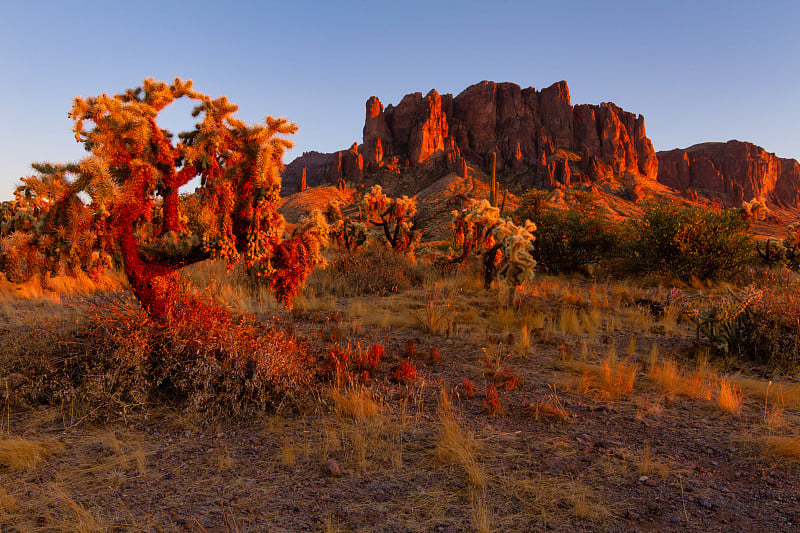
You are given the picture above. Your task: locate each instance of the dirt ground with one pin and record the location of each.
(577, 410)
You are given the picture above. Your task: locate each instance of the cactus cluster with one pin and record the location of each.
(123, 199)
(787, 250)
(394, 215)
(506, 246)
(348, 233)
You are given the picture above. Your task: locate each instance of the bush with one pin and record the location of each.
(762, 327)
(687, 242)
(120, 358)
(371, 269)
(568, 241)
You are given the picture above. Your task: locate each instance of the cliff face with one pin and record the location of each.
(734, 170)
(528, 129)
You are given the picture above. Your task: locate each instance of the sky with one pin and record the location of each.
(698, 71)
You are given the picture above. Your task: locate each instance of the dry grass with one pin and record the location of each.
(648, 464)
(729, 396)
(550, 407)
(570, 322)
(437, 316)
(481, 514)
(357, 404)
(666, 374)
(618, 376)
(23, 454)
(52, 288)
(546, 497)
(457, 446)
(782, 447)
(769, 391)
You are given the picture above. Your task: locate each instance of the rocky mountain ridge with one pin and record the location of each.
(539, 139)
(733, 171)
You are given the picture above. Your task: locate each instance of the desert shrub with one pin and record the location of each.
(119, 358)
(687, 242)
(568, 241)
(532, 204)
(372, 269)
(757, 326)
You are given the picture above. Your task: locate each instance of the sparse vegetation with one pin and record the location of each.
(687, 242)
(397, 394)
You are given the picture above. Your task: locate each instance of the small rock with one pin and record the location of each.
(332, 468)
(643, 479)
(707, 504)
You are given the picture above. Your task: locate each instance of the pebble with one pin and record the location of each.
(332, 468)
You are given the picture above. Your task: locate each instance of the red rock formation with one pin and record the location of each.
(316, 165)
(347, 165)
(734, 170)
(377, 131)
(430, 130)
(525, 127)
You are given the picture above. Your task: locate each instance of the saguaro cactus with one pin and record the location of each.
(493, 192)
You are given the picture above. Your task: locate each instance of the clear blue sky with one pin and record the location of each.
(698, 71)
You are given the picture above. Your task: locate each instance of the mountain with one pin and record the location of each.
(538, 137)
(732, 171)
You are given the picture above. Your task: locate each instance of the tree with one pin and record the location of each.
(124, 198)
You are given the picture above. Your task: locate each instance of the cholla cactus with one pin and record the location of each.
(132, 179)
(292, 260)
(771, 251)
(506, 246)
(48, 228)
(348, 233)
(394, 215)
(753, 211)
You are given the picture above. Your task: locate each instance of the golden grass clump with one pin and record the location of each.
(456, 446)
(782, 447)
(617, 376)
(22, 454)
(729, 396)
(357, 404)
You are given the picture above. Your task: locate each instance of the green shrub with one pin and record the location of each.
(568, 241)
(687, 242)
